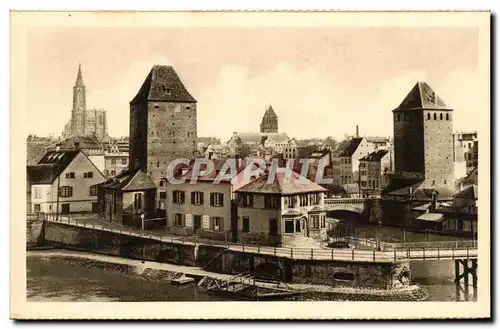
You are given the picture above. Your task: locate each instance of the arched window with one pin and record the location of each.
(428, 116)
(447, 116)
(441, 116)
(435, 116)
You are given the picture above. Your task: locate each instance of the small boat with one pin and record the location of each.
(182, 280)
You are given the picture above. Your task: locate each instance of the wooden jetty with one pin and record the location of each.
(244, 286)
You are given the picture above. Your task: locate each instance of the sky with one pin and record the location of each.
(320, 81)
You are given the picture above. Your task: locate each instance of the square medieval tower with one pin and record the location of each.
(162, 123)
(423, 138)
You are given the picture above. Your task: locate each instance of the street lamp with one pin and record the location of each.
(378, 235)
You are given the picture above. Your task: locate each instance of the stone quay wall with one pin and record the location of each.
(218, 259)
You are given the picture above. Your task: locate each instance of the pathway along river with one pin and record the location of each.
(54, 279)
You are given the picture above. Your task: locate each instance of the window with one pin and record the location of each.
(291, 201)
(113, 172)
(323, 221)
(169, 91)
(138, 201)
(441, 116)
(215, 223)
(197, 198)
(37, 193)
(271, 202)
(247, 200)
(36, 208)
(289, 226)
(93, 190)
(89, 174)
(157, 164)
(124, 161)
(113, 161)
(428, 116)
(314, 221)
(407, 118)
(445, 181)
(435, 116)
(246, 224)
(297, 225)
(163, 195)
(447, 116)
(70, 175)
(433, 182)
(217, 199)
(303, 200)
(179, 220)
(66, 191)
(178, 197)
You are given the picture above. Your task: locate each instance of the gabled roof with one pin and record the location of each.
(270, 113)
(374, 156)
(422, 97)
(52, 164)
(280, 185)
(163, 84)
(130, 181)
(469, 192)
(350, 147)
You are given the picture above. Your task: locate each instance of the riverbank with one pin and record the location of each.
(166, 272)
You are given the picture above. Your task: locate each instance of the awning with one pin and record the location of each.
(431, 217)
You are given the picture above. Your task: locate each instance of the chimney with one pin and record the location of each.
(77, 146)
(58, 148)
(357, 131)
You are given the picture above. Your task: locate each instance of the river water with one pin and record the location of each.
(53, 279)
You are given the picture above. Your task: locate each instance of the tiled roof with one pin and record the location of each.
(85, 142)
(422, 97)
(254, 137)
(375, 156)
(163, 84)
(130, 181)
(420, 193)
(350, 147)
(50, 166)
(280, 185)
(469, 192)
(35, 151)
(278, 138)
(377, 139)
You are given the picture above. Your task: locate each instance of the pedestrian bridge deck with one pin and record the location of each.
(431, 252)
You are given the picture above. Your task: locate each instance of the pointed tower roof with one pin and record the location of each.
(163, 84)
(79, 78)
(270, 113)
(422, 97)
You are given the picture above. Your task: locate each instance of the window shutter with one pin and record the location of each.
(212, 199)
(221, 195)
(201, 198)
(251, 199)
(192, 198)
(221, 223)
(182, 197)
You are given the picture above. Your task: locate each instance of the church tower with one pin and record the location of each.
(79, 105)
(269, 123)
(162, 123)
(423, 138)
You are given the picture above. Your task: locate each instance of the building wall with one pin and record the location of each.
(409, 141)
(121, 163)
(43, 198)
(81, 200)
(159, 133)
(438, 142)
(98, 160)
(202, 210)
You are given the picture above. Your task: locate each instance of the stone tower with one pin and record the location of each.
(162, 123)
(423, 138)
(79, 105)
(269, 123)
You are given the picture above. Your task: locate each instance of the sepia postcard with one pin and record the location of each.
(250, 165)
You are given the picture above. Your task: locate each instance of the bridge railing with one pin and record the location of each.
(332, 201)
(341, 254)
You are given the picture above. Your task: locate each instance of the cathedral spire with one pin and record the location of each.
(79, 78)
